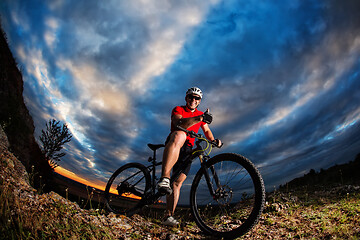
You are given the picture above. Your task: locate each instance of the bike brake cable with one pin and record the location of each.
(207, 146)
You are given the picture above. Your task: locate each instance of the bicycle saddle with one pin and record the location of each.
(155, 146)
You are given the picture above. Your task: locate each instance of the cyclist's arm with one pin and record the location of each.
(178, 120)
(208, 134)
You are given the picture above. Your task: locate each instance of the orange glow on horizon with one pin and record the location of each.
(128, 195)
(73, 176)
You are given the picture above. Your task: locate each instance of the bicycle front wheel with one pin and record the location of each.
(126, 187)
(237, 200)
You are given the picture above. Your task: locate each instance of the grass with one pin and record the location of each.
(286, 216)
(52, 220)
(25, 213)
(310, 216)
(305, 214)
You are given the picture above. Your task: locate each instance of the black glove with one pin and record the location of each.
(217, 143)
(207, 117)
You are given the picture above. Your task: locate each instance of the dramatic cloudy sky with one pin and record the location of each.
(280, 77)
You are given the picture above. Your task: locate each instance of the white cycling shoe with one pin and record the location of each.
(164, 186)
(170, 221)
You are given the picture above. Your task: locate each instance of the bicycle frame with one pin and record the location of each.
(152, 169)
(198, 152)
(175, 175)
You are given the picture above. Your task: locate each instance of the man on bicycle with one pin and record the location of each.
(179, 144)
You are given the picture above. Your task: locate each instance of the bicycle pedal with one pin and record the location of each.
(164, 192)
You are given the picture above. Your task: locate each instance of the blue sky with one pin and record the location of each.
(280, 77)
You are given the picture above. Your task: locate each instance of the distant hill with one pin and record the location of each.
(344, 174)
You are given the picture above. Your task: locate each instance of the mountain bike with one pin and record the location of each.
(226, 197)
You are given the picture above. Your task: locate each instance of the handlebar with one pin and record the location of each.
(199, 136)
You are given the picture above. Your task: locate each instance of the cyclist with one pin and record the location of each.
(178, 144)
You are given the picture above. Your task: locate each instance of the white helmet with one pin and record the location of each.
(194, 90)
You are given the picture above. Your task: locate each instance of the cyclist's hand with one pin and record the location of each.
(207, 117)
(192, 134)
(217, 143)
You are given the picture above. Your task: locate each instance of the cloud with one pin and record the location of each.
(280, 79)
(50, 33)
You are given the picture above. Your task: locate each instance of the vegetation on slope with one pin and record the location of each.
(26, 214)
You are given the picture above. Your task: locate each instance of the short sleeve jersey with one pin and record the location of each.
(186, 113)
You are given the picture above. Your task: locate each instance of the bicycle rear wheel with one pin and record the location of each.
(239, 196)
(126, 187)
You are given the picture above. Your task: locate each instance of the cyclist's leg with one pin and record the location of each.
(172, 199)
(171, 152)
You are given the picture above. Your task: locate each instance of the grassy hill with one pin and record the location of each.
(331, 213)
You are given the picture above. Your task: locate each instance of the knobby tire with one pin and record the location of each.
(240, 196)
(137, 178)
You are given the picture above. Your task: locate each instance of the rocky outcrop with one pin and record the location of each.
(15, 118)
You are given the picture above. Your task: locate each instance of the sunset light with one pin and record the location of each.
(73, 176)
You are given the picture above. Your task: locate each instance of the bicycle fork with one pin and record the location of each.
(207, 178)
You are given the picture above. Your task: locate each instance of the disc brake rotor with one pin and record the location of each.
(223, 195)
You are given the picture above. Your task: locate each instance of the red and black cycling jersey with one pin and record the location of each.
(185, 112)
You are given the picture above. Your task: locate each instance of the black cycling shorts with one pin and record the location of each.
(185, 150)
